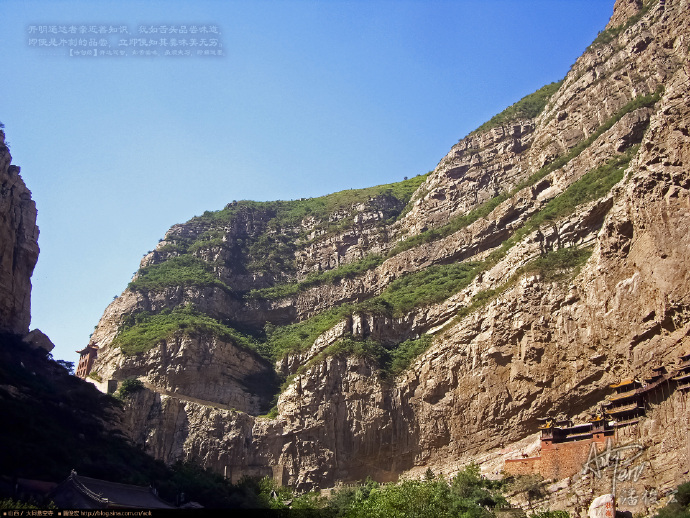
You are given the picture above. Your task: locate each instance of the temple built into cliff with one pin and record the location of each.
(86, 358)
(565, 446)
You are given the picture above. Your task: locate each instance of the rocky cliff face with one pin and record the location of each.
(19, 252)
(572, 228)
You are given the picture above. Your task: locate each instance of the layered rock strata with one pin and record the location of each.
(538, 343)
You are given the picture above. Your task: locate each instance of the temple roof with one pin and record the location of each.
(78, 492)
(624, 383)
(625, 409)
(92, 347)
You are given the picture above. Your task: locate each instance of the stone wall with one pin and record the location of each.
(522, 467)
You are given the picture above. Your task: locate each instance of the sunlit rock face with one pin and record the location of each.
(18, 246)
(540, 343)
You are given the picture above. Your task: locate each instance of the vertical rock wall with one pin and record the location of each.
(18, 246)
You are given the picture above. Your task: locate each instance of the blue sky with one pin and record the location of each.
(307, 98)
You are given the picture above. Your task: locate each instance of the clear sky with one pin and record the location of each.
(293, 99)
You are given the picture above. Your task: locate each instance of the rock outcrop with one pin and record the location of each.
(19, 252)
(575, 223)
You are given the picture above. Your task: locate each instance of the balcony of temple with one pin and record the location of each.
(627, 404)
(682, 373)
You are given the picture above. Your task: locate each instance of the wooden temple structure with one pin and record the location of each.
(555, 431)
(682, 375)
(86, 358)
(626, 404)
(565, 445)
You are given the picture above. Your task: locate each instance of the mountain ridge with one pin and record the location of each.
(542, 260)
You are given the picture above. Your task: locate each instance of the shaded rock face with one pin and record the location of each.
(19, 252)
(202, 368)
(541, 343)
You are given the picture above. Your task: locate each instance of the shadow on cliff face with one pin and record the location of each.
(265, 385)
(53, 422)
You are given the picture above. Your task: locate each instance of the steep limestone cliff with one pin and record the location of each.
(19, 251)
(430, 323)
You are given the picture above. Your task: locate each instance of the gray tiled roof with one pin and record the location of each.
(97, 493)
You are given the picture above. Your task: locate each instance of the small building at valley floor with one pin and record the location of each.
(78, 492)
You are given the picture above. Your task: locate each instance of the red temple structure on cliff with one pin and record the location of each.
(86, 358)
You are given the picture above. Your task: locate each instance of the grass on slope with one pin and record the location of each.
(463, 221)
(346, 271)
(187, 270)
(431, 285)
(608, 35)
(428, 286)
(592, 185)
(184, 270)
(291, 213)
(271, 250)
(393, 360)
(142, 331)
(526, 108)
(437, 283)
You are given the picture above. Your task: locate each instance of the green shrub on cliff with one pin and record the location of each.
(402, 356)
(467, 494)
(428, 286)
(184, 270)
(526, 108)
(283, 214)
(347, 271)
(142, 331)
(679, 504)
(128, 387)
(608, 35)
(453, 226)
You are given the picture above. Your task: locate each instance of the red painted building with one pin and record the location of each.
(86, 358)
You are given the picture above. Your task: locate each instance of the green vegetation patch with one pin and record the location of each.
(128, 387)
(482, 211)
(592, 185)
(142, 331)
(390, 360)
(184, 270)
(94, 375)
(401, 357)
(564, 263)
(348, 347)
(468, 494)
(428, 286)
(557, 266)
(209, 239)
(610, 34)
(526, 108)
(271, 252)
(346, 271)
(291, 213)
(679, 505)
(642, 101)
(301, 335)
(453, 226)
